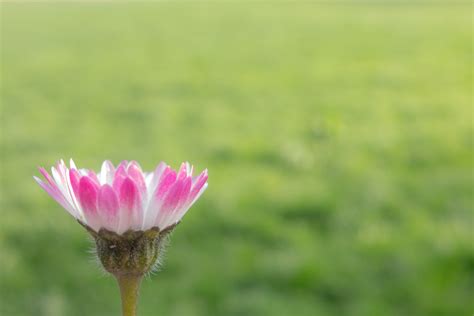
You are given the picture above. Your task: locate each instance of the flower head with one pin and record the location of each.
(124, 198)
(128, 212)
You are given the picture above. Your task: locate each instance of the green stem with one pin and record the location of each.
(129, 286)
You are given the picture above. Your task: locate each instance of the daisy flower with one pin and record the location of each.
(129, 212)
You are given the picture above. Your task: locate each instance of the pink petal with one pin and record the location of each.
(174, 195)
(183, 171)
(189, 169)
(167, 180)
(88, 195)
(197, 186)
(185, 193)
(131, 215)
(117, 184)
(122, 169)
(155, 177)
(180, 207)
(107, 172)
(154, 202)
(59, 176)
(135, 172)
(75, 178)
(93, 176)
(128, 194)
(72, 189)
(47, 177)
(119, 176)
(169, 204)
(108, 207)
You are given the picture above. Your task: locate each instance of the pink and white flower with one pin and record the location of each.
(124, 198)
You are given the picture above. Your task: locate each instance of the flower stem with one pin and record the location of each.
(129, 286)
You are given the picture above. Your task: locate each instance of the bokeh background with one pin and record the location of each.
(338, 139)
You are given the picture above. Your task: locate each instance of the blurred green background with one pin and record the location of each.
(338, 140)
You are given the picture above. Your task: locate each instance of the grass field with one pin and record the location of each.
(338, 140)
